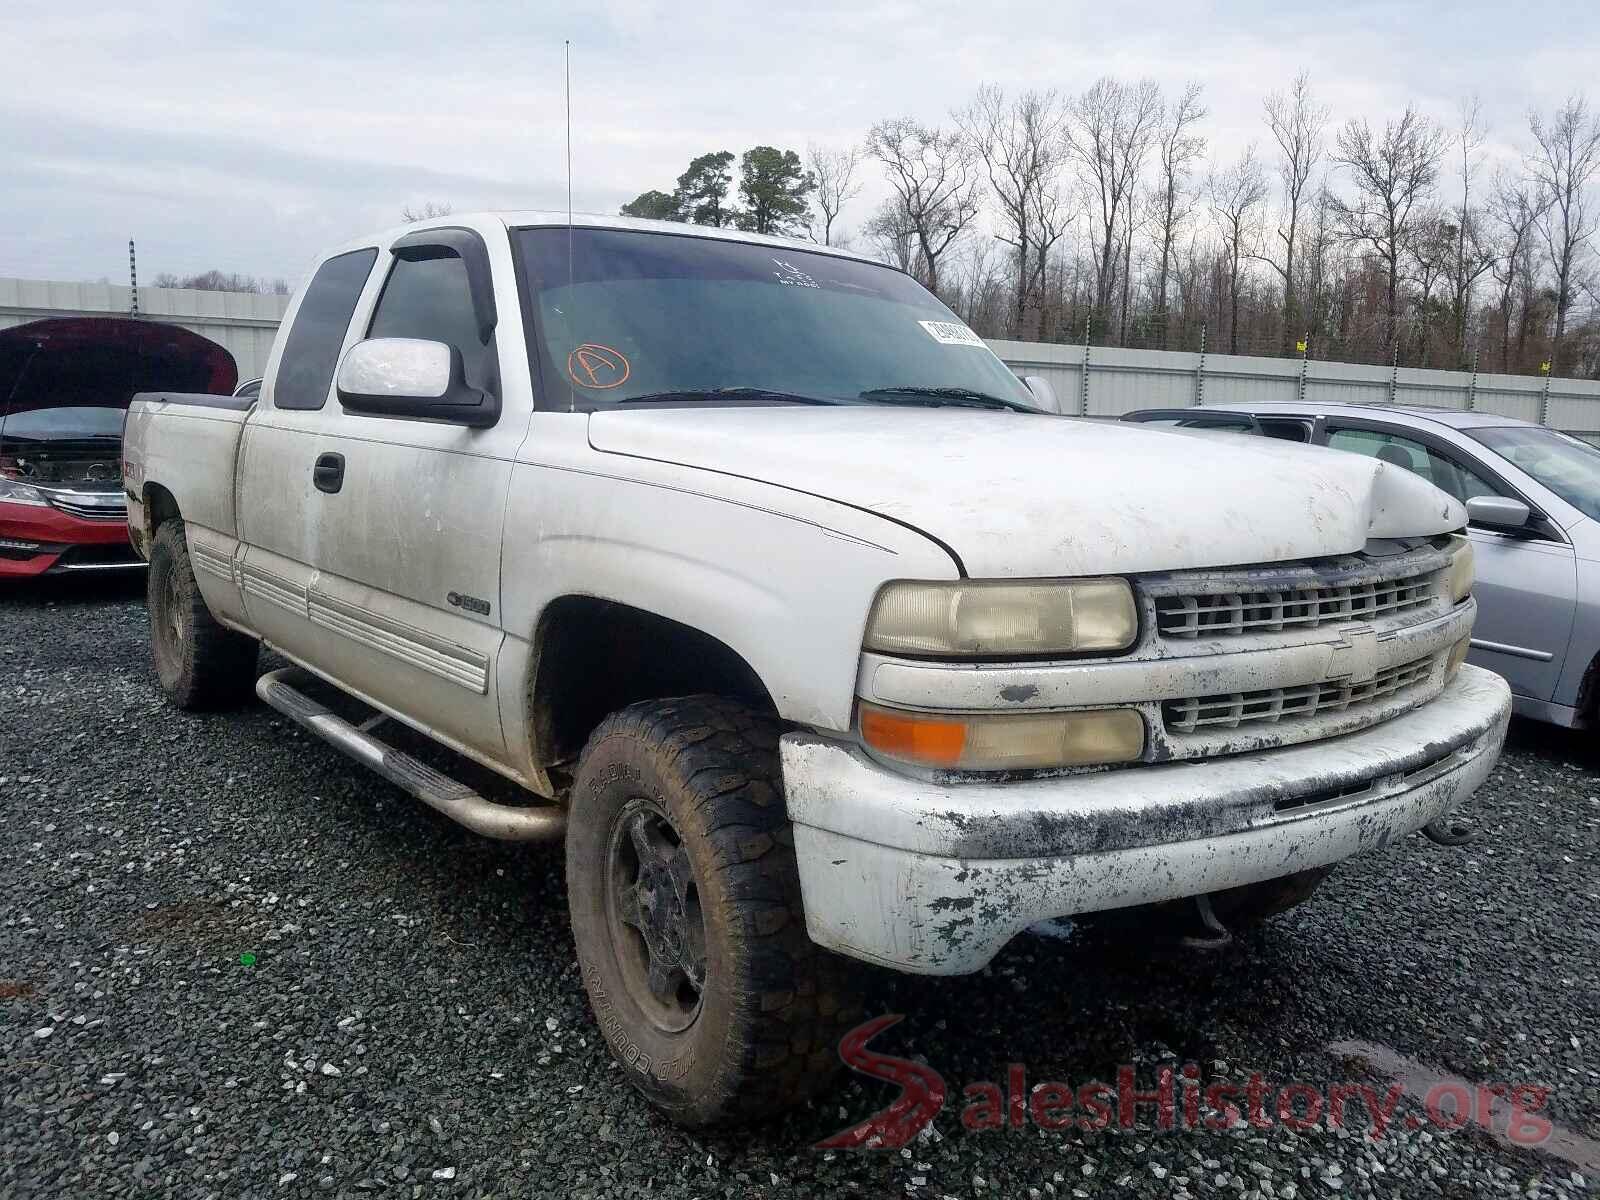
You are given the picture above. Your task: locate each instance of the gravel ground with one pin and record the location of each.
(413, 1023)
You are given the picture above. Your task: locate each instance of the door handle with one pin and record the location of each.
(328, 474)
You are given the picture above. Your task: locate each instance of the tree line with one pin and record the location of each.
(1103, 216)
(221, 281)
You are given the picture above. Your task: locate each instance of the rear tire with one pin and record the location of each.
(686, 910)
(200, 663)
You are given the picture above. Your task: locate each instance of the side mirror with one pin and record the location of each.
(1497, 512)
(1043, 392)
(414, 380)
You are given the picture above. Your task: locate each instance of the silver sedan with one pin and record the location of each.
(1533, 501)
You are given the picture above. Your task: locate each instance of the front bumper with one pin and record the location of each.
(935, 878)
(38, 540)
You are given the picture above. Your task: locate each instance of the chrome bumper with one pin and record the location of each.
(935, 878)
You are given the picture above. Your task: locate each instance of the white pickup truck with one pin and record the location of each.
(803, 625)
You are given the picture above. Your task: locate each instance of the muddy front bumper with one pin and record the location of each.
(935, 878)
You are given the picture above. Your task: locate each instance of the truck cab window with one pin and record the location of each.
(305, 370)
(427, 296)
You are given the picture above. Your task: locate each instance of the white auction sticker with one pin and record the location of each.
(952, 333)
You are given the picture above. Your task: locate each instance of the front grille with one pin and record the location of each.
(100, 508)
(1221, 614)
(1271, 706)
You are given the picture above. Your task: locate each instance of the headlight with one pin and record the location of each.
(998, 617)
(1008, 741)
(1459, 580)
(14, 491)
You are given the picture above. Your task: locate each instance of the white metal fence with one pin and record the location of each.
(1102, 381)
(242, 322)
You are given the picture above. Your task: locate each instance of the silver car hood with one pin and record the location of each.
(1020, 495)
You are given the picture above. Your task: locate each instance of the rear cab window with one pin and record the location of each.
(305, 369)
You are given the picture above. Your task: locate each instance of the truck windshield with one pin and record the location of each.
(650, 318)
(1568, 467)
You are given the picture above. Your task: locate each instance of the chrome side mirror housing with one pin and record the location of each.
(412, 379)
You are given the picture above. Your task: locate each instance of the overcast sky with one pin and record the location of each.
(246, 137)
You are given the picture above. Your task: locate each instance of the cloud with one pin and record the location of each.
(247, 138)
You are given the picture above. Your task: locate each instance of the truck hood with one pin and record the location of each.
(1014, 494)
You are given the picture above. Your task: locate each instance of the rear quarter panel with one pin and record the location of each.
(189, 450)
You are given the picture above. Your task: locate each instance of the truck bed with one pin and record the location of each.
(193, 455)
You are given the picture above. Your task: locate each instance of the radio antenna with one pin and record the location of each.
(572, 399)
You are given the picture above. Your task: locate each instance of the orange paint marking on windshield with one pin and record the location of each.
(592, 365)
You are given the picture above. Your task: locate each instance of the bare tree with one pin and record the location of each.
(1296, 122)
(935, 178)
(894, 236)
(1022, 144)
(1473, 255)
(427, 212)
(1237, 193)
(222, 281)
(1170, 201)
(834, 171)
(1564, 165)
(1316, 267)
(1112, 128)
(1514, 210)
(1431, 250)
(1394, 176)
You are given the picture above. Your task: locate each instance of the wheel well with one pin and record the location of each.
(159, 507)
(1588, 702)
(593, 656)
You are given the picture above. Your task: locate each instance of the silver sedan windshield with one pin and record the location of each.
(1568, 467)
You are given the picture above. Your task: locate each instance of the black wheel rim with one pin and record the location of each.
(657, 926)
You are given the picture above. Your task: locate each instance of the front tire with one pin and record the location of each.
(200, 663)
(686, 910)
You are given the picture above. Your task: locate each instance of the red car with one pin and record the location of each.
(64, 391)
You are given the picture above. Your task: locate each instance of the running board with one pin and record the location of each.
(454, 799)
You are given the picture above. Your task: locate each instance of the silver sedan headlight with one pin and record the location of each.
(1001, 618)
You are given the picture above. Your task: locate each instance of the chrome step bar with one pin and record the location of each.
(506, 822)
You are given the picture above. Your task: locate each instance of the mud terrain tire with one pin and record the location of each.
(685, 902)
(201, 664)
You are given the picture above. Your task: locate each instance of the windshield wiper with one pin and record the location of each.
(735, 393)
(934, 396)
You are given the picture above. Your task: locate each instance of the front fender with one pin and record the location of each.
(782, 578)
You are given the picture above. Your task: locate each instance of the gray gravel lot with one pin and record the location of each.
(413, 1024)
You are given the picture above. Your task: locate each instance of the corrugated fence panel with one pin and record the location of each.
(1510, 396)
(1123, 380)
(1577, 414)
(1120, 381)
(1446, 389)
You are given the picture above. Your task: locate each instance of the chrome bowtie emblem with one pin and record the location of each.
(1355, 657)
